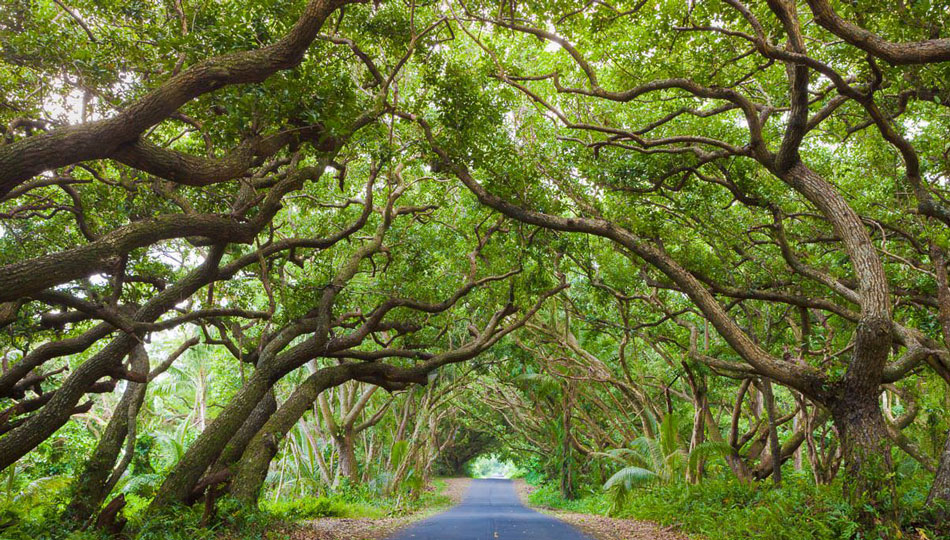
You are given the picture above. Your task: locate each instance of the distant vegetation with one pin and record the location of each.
(492, 467)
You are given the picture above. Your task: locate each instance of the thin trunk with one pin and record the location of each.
(567, 479)
(697, 385)
(796, 426)
(251, 471)
(774, 446)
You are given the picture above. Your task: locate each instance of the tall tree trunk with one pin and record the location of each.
(567, 477)
(178, 485)
(774, 446)
(698, 434)
(93, 486)
(939, 496)
(238, 443)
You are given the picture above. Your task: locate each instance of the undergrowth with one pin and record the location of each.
(232, 521)
(724, 509)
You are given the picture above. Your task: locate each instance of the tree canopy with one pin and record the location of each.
(614, 241)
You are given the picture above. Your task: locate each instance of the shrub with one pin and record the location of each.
(304, 508)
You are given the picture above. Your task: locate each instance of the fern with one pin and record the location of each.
(39, 490)
(705, 451)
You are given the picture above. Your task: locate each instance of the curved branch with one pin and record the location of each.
(917, 52)
(28, 157)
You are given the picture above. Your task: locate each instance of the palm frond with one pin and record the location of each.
(707, 450)
(630, 477)
(669, 434)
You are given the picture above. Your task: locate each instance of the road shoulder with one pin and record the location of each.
(374, 529)
(602, 527)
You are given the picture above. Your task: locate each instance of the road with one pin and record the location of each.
(490, 510)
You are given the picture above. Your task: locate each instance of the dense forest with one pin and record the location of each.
(679, 260)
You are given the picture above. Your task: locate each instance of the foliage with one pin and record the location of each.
(599, 244)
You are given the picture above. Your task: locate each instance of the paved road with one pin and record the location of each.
(490, 511)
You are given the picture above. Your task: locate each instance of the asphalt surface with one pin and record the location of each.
(490, 510)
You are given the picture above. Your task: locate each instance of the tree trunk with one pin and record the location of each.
(774, 446)
(39, 427)
(869, 481)
(567, 480)
(207, 447)
(939, 496)
(698, 434)
(251, 471)
(345, 443)
(93, 486)
(238, 443)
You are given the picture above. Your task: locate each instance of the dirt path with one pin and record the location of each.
(371, 529)
(605, 528)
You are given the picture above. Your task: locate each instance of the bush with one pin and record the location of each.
(549, 496)
(725, 509)
(304, 508)
(720, 508)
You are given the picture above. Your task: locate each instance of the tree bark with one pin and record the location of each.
(92, 485)
(58, 411)
(567, 476)
(939, 496)
(238, 444)
(774, 446)
(869, 480)
(207, 447)
(28, 157)
(345, 443)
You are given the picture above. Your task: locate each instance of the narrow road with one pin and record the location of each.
(491, 510)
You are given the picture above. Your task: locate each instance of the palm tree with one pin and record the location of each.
(655, 460)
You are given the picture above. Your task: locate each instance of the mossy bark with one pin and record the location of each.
(345, 442)
(238, 444)
(208, 446)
